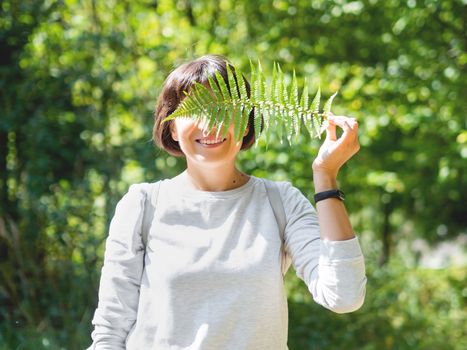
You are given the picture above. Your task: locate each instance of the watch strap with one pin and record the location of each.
(335, 193)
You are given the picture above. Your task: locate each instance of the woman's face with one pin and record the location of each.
(202, 146)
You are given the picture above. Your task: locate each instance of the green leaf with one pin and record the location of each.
(223, 86)
(232, 79)
(257, 123)
(244, 123)
(294, 91)
(294, 114)
(227, 119)
(314, 107)
(216, 90)
(237, 123)
(281, 90)
(304, 97)
(242, 86)
(328, 104)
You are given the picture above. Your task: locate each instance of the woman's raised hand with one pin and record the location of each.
(334, 152)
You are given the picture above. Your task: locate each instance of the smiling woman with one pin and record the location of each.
(177, 84)
(208, 156)
(206, 269)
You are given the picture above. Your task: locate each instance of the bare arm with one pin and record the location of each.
(333, 219)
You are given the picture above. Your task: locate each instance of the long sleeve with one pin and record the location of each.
(334, 271)
(121, 273)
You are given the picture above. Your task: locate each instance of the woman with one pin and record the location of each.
(209, 275)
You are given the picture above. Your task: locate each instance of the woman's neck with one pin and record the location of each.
(215, 179)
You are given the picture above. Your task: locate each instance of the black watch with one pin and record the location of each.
(329, 194)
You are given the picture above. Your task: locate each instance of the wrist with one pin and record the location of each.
(329, 194)
(324, 181)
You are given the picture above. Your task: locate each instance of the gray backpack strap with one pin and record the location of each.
(149, 210)
(277, 205)
(279, 212)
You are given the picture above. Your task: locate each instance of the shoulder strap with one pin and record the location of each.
(149, 210)
(277, 205)
(279, 212)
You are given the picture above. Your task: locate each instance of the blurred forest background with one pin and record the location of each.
(78, 85)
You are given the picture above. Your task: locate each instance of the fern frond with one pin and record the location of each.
(276, 104)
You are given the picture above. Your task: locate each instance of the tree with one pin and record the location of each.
(78, 86)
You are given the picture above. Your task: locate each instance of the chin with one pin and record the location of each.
(212, 161)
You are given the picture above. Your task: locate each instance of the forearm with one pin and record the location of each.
(333, 220)
(341, 286)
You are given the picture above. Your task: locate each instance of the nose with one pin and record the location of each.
(206, 130)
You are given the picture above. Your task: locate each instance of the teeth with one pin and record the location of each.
(210, 142)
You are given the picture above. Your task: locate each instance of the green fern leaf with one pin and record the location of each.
(281, 90)
(227, 108)
(228, 116)
(216, 90)
(257, 123)
(294, 114)
(223, 87)
(234, 90)
(304, 106)
(244, 102)
(281, 116)
(254, 81)
(242, 87)
(294, 90)
(328, 104)
(314, 107)
(304, 97)
(257, 94)
(237, 123)
(220, 121)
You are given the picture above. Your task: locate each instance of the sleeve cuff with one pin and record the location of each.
(334, 251)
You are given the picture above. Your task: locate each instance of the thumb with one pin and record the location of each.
(331, 130)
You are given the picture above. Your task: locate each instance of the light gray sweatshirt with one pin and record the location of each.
(212, 275)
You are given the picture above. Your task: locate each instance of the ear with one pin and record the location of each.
(173, 131)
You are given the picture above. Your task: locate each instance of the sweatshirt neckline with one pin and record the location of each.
(187, 191)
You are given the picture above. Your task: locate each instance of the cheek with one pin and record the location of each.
(181, 128)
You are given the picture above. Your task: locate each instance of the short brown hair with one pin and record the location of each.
(180, 81)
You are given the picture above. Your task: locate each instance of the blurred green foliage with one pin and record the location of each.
(78, 84)
(405, 309)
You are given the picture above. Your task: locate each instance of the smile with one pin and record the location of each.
(210, 141)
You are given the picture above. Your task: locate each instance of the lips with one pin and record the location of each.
(210, 141)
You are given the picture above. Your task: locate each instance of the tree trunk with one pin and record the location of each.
(386, 232)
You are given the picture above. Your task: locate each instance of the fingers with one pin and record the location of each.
(350, 128)
(349, 125)
(331, 130)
